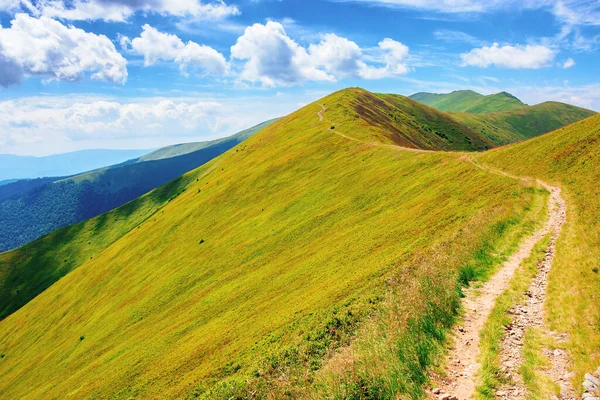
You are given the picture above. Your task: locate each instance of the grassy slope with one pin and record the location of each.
(29, 270)
(265, 238)
(523, 123)
(569, 158)
(399, 120)
(36, 269)
(469, 101)
(454, 101)
(390, 119)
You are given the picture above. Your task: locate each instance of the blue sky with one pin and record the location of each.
(147, 73)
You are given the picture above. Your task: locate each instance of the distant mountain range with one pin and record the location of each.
(32, 208)
(502, 118)
(14, 167)
(469, 101)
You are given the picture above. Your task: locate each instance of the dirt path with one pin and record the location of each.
(531, 315)
(462, 359)
(320, 113)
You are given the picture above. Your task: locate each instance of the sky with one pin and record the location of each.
(141, 74)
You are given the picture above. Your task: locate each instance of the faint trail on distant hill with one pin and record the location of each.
(462, 359)
(320, 113)
(376, 144)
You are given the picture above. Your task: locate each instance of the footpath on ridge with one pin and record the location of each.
(460, 382)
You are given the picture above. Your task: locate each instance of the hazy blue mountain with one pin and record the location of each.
(28, 167)
(31, 208)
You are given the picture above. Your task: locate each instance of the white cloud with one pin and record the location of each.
(155, 45)
(338, 56)
(515, 57)
(587, 96)
(576, 12)
(110, 118)
(45, 47)
(569, 62)
(573, 12)
(31, 120)
(10, 5)
(41, 125)
(121, 10)
(274, 59)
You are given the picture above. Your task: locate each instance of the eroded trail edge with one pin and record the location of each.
(463, 366)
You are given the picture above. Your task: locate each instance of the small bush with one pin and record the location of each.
(81, 337)
(201, 241)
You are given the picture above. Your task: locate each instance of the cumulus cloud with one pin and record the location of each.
(515, 57)
(30, 120)
(49, 124)
(121, 10)
(155, 45)
(46, 48)
(569, 62)
(10, 5)
(110, 118)
(274, 59)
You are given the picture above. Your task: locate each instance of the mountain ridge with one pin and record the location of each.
(64, 164)
(469, 101)
(173, 284)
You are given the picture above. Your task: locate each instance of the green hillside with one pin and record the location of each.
(240, 278)
(30, 209)
(523, 123)
(569, 158)
(469, 101)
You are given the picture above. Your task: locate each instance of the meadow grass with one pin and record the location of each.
(265, 264)
(569, 158)
(538, 384)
